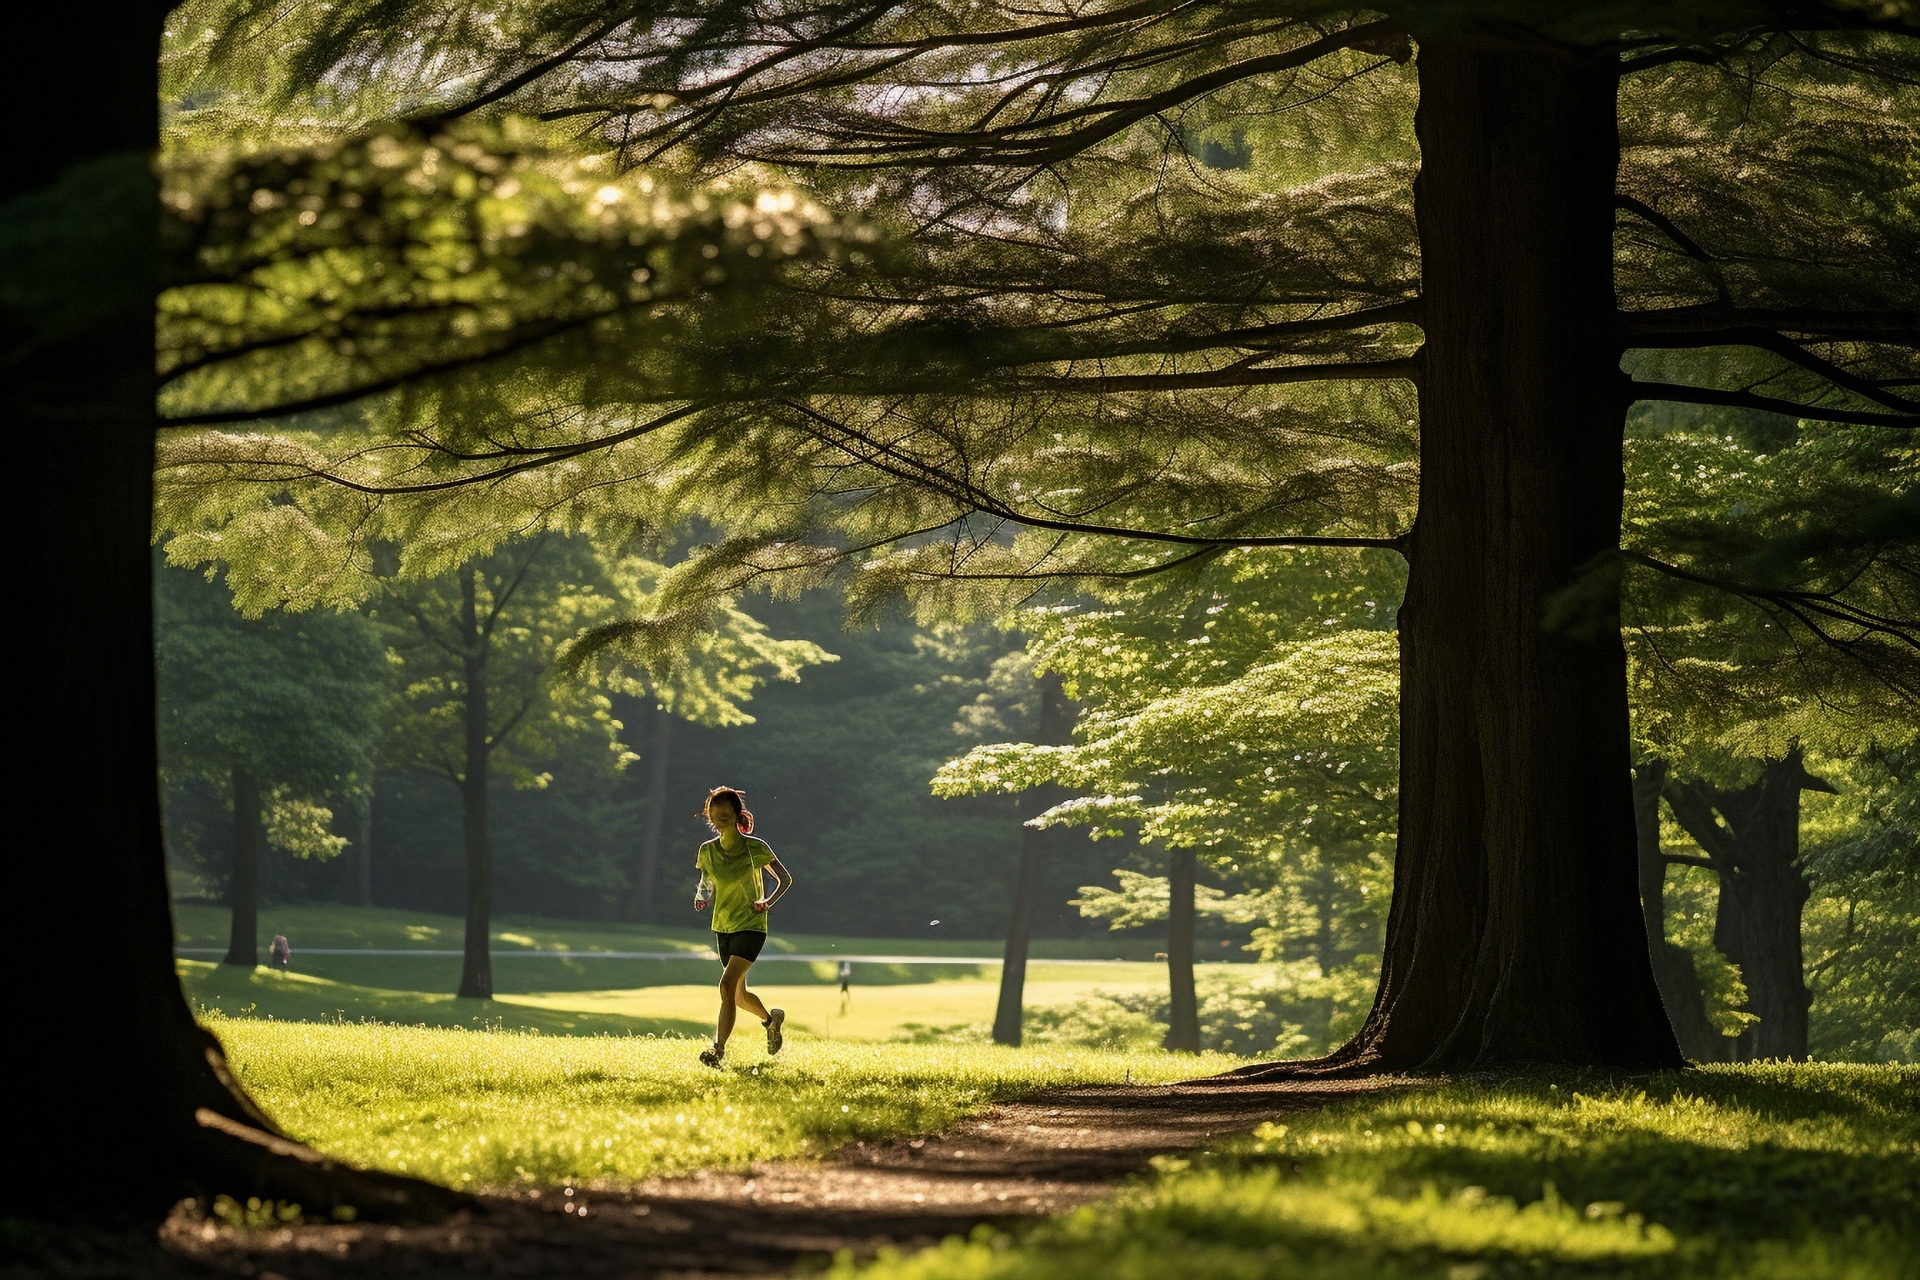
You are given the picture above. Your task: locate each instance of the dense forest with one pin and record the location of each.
(837, 764)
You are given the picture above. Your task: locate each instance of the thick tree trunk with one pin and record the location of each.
(1672, 966)
(1515, 933)
(1754, 844)
(476, 965)
(110, 1060)
(1056, 729)
(643, 893)
(243, 889)
(1183, 1006)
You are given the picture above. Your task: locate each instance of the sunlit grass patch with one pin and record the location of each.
(496, 1108)
(1756, 1172)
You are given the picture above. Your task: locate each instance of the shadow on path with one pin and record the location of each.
(1041, 1156)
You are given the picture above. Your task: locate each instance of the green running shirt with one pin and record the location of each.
(736, 883)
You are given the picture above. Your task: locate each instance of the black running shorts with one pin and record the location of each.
(745, 943)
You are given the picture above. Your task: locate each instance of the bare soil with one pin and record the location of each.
(1018, 1162)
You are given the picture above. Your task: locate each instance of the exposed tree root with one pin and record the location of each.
(226, 1157)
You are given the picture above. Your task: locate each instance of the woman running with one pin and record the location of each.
(730, 866)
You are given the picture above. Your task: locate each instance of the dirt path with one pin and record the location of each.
(1024, 1160)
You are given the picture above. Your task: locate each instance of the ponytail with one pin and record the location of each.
(735, 798)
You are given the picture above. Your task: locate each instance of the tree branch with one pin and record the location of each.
(1788, 349)
(1896, 328)
(1680, 393)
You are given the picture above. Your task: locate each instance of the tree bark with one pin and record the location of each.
(476, 965)
(363, 864)
(644, 884)
(1672, 966)
(1055, 729)
(243, 888)
(1515, 934)
(112, 1060)
(1183, 1006)
(1752, 836)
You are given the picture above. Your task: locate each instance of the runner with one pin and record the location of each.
(730, 866)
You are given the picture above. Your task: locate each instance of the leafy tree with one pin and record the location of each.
(282, 711)
(1244, 714)
(1094, 353)
(1726, 706)
(474, 652)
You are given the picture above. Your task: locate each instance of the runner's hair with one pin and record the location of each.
(737, 799)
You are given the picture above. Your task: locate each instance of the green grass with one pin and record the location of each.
(495, 1109)
(1762, 1172)
(663, 1002)
(335, 925)
(589, 996)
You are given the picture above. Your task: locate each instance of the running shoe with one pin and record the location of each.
(712, 1056)
(775, 1038)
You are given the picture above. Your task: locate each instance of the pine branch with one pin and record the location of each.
(891, 460)
(1682, 394)
(1785, 347)
(1895, 328)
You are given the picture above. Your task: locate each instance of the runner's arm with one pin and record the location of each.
(782, 881)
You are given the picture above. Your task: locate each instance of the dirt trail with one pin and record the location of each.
(1024, 1160)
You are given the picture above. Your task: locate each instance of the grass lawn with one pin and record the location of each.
(496, 1109)
(590, 996)
(335, 925)
(1768, 1172)
(664, 1002)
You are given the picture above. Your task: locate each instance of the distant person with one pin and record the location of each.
(846, 981)
(730, 876)
(280, 952)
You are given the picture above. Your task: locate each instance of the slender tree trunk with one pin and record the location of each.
(643, 896)
(1752, 836)
(363, 864)
(125, 1070)
(1011, 1009)
(1056, 729)
(476, 965)
(1672, 966)
(1183, 1006)
(243, 890)
(1515, 933)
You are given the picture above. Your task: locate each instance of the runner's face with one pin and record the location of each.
(723, 817)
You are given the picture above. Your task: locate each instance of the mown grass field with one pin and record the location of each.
(1770, 1172)
(591, 995)
(497, 1109)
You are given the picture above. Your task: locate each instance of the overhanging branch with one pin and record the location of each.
(1683, 394)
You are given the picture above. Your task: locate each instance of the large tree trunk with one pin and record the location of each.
(1056, 729)
(476, 965)
(110, 1060)
(243, 888)
(1515, 932)
(643, 892)
(1183, 1006)
(1754, 845)
(1672, 966)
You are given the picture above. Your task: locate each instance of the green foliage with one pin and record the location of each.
(294, 701)
(1247, 711)
(1758, 1172)
(501, 620)
(496, 1109)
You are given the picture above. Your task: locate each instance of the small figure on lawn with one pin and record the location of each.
(280, 952)
(730, 867)
(846, 981)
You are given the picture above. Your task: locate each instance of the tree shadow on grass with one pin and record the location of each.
(237, 992)
(1736, 1155)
